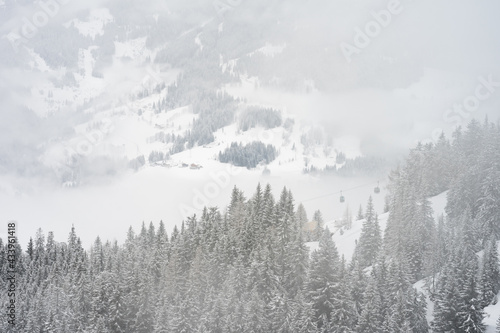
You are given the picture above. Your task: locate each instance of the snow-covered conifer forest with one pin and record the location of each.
(248, 268)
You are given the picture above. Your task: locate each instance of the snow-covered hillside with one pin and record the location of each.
(492, 312)
(345, 240)
(346, 243)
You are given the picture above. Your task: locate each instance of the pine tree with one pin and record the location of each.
(447, 303)
(96, 257)
(360, 215)
(255, 315)
(160, 254)
(472, 318)
(301, 215)
(30, 249)
(471, 315)
(318, 231)
(179, 316)
(323, 278)
(439, 252)
(297, 256)
(347, 218)
(417, 305)
(457, 307)
(370, 239)
(371, 317)
(399, 314)
(490, 274)
(285, 231)
(302, 315)
(280, 312)
(268, 207)
(343, 315)
(358, 285)
(489, 197)
(256, 216)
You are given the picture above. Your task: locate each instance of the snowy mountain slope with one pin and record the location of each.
(131, 64)
(133, 120)
(345, 240)
(492, 312)
(116, 64)
(421, 287)
(95, 23)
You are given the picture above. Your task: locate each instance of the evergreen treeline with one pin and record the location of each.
(460, 284)
(248, 269)
(245, 270)
(215, 110)
(156, 156)
(255, 116)
(249, 155)
(358, 166)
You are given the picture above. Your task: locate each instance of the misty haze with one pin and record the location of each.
(249, 166)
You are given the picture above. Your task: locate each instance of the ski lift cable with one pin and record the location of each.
(339, 192)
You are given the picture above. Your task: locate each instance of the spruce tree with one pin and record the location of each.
(371, 318)
(343, 314)
(490, 274)
(360, 215)
(370, 239)
(323, 278)
(318, 218)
